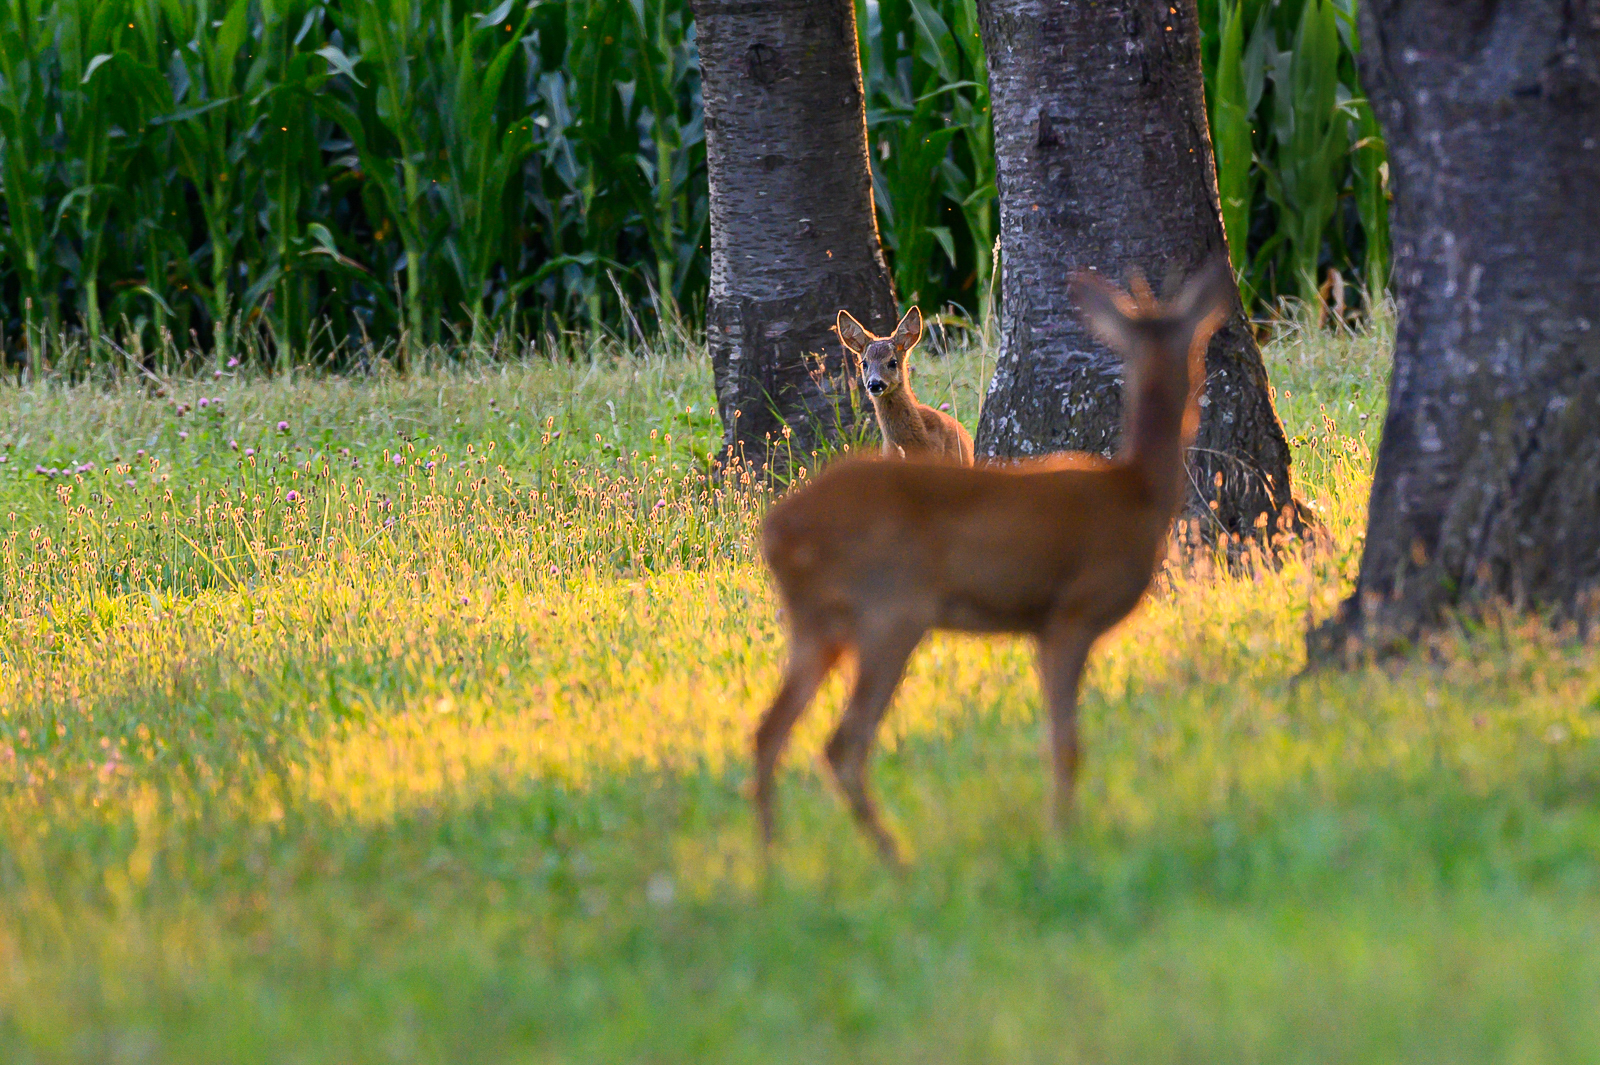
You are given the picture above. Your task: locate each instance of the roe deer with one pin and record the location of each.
(910, 429)
(872, 554)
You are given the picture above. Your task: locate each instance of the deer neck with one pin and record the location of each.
(1155, 434)
(898, 416)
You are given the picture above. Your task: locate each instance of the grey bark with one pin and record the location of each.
(1487, 485)
(793, 234)
(1105, 162)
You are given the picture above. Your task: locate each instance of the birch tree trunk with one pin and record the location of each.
(793, 234)
(1487, 485)
(1105, 163)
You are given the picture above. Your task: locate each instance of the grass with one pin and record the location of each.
(444, 764)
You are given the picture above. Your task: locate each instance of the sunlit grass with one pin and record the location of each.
(444, 763)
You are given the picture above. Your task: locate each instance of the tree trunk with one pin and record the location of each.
(1105, 163)
(1487, 486)
(793, 233)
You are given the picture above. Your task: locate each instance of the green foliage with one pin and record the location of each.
(291, 181)
(1300, 159)
(416, 731)
(932, 148)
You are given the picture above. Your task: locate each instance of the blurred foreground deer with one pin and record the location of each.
(910, 429)
(873, 554)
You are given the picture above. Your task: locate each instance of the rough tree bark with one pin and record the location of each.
(1105, 163)
(793, 234)
(1487, 485)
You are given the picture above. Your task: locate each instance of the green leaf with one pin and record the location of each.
(340, 62)
(495, 17)
(95, 64)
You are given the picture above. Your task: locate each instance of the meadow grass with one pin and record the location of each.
(401, 720)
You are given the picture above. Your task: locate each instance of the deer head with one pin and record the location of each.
(1162, 343)
(882, 358)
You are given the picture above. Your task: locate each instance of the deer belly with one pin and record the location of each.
(987, 613)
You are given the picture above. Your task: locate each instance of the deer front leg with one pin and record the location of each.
(1063, 648)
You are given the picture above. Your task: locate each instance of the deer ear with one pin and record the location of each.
(851, 335)
(908, 332)
(1207, 297)
(1105, 311)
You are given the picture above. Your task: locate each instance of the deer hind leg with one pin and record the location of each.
(882, 660)
(810, 659)
(1063, 649)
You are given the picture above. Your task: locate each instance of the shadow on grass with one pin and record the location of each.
(1415, 902)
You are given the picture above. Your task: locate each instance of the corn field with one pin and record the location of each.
(1301, 167)
(292, 182)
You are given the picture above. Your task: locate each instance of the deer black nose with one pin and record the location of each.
(876, 386)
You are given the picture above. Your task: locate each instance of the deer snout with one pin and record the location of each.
(876, 385)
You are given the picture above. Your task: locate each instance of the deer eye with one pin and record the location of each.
(893, 363)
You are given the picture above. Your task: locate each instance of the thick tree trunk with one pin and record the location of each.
(1105, 163)
(793, 233)
(1488, 478)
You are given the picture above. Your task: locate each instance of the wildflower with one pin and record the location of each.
(204, 403)
(293, 496)
(944, 406)
(660, 891)
(184, 435)
(399, 460)
(249, 452)
(216, 375)
(388, 523)
(283, 427)
(234, 444)
(428, 465)
(233, 362)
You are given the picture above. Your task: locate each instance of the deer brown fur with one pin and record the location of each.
(910, 429)
(872, 554)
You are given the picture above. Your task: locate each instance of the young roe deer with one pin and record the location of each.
(873, 554)
(910, 429)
